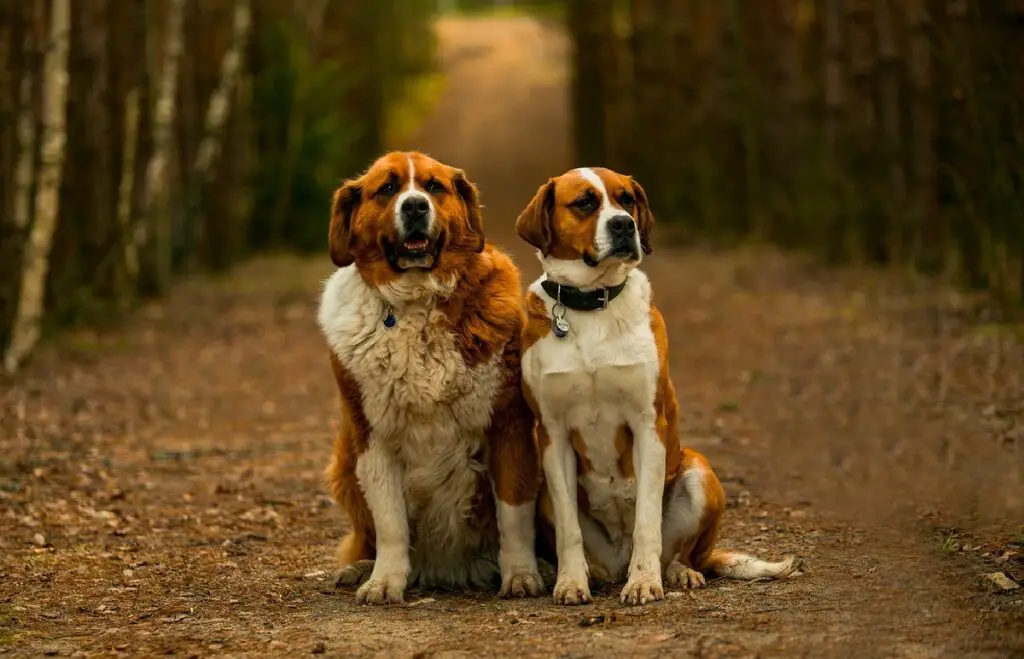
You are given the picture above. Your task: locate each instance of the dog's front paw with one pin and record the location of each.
(678, 575)
(354, 574)
(521, 582)
(383, 589)
(642, 588)
(572, 590)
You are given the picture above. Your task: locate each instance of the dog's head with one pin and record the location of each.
(408, 214)
(590, 224)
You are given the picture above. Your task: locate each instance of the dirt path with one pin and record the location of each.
(160, 485)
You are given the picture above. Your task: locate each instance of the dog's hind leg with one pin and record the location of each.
(355, 556)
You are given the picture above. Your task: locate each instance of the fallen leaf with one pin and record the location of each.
(1002, 581)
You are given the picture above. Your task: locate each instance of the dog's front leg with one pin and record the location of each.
(515, 474)
(644, 581)
(572, 585)
(380, 478)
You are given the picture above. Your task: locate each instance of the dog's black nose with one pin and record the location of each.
(622, 225)
(415, 207)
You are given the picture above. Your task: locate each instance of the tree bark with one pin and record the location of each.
(834, 88)
(929, 239)
(216, 116)
(834, 240)
(651, 95)
(154, 231)
(867, 228)
(217, 111)
(100, 192)
(126, 188)
(25, 332)
(296, 118)
(24, 169)
(592, 37)
(889, 70)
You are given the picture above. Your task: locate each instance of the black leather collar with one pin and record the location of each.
(573, 298)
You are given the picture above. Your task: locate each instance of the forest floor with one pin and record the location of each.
(161, 483)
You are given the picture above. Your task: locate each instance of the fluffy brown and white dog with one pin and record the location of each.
(624, 500)
(434, 463)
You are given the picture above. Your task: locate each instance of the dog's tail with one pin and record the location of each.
(741, 566)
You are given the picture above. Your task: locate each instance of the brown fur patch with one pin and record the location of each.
(624, 449)
(351, 441)
(485, 311)
(695, 552)
(514, 463)
(665, 404)
(583, 463)
(538, 325)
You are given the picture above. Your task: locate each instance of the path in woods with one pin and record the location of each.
(160, 485)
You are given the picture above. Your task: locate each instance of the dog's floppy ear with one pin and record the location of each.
(534, 223)
(474, 213)
(339, 236)
(644, 216)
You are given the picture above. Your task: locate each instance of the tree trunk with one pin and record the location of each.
(100, 145)
(154, 231)
(929, 236)
(129, 250)
(217, 111)
(592, 37)
(216, 115)
(25, 332)
(296, 118)
(24, 169)
(866, 227)
(651, 57)
(889, 70)
(835, 105)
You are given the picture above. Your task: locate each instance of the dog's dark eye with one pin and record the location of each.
(586, 204)
(434, 187)
(627, 202)
(387, 189)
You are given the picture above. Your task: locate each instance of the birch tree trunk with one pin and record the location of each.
(220, 101)
(126, 188)
(154, 229)
(32, 294)
(213, 126)
(24, 169)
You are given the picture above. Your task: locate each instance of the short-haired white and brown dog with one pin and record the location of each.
(626, 503)
(435, 462)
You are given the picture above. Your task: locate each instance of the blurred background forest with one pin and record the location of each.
(143, 139)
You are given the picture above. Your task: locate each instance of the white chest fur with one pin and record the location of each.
(424, 404)
(600, 377)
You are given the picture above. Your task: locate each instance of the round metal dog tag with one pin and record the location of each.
(559, 325)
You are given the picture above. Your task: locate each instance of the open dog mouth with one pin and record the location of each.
(416, 251)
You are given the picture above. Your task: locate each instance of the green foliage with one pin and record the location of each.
(304, 143)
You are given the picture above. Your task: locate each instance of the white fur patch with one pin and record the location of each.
(412, 190)
(685, 509)
(426, 409)
(602, 236)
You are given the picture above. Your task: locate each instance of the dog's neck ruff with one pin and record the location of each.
(580, 300)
